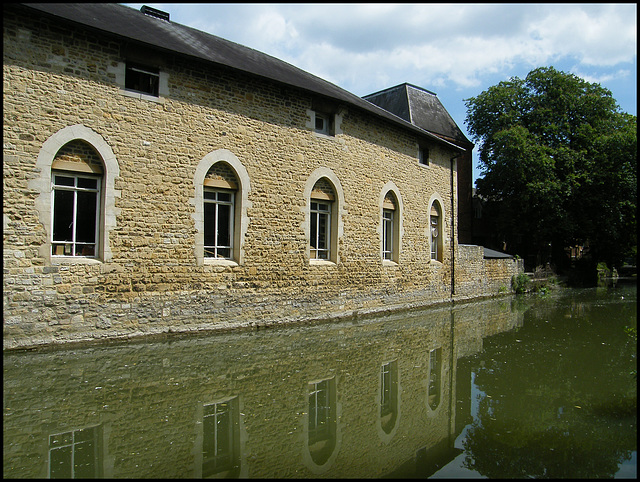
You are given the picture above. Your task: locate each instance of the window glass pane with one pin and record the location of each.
(224, 225)
(209, 224)
(86, 217)
(322, 231)
(63, 215)
(145, 80)
(209, 440)
(64, 181)
(314, 229)
(224, 196)
(209, 194)
(60, 462)
(87, 183)
(84, 463)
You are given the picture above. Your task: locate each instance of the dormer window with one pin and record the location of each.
(142, 79)
(423, 155)
(323, 124)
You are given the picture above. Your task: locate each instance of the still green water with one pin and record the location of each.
(528, 386)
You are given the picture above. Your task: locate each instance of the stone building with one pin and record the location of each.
(157, 178)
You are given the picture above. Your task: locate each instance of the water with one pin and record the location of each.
(514, 387)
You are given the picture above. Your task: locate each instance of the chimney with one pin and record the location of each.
(152, 12)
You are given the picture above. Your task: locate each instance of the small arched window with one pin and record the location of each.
(221, 202)
(321, 214)
(390, 228)
(435, 231)
(219, 198)
(76, 200)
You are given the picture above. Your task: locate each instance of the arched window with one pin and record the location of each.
(221, 202)
(322, 202)
(219, 195)
(388, 227)
(76, 204)
(390, 223)
(76, 185)
(436, 232)
(323, 215)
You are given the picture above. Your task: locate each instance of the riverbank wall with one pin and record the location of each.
(42, 315)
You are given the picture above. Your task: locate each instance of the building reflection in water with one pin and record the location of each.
(263, 403)
(389, 396)
(435, 378)
(76, 454)
(221, 439)
(322, 422)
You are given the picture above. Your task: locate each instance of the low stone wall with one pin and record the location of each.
(479, 276)
(43, 315)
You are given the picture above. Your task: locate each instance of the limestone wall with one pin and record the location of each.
(476, 275)
(63, 86)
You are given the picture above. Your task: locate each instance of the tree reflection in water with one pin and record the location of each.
(563, 403)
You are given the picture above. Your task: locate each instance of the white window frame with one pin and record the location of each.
(435, 231)
(73, 243)
(388, 233)
(217, 203)
(318, 213)
(390, 230)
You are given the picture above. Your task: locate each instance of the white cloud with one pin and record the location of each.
(445, 47)
(604, 37)
(457, 44)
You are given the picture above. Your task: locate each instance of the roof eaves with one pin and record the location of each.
(189, 42)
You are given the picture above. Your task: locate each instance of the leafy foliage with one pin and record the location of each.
(559, 166)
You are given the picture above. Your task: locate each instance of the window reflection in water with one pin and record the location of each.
(76, 454)
(435, 377)
(322, 420)
(221, 445)
(389, 396)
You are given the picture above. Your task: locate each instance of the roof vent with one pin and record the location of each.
(152, 12)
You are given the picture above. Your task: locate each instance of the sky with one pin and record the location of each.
(456, 50)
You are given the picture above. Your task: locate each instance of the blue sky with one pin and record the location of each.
(456, 51)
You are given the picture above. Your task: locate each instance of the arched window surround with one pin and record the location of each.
(436, 201)
(42, 184)
(337, 212)
(398, 228)
(241, 219)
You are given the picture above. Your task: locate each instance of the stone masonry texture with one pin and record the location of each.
(151, 281)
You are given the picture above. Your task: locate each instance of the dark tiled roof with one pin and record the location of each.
(132, 24)
(420, 107)
(493, 254)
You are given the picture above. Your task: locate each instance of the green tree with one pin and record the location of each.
(558, 162)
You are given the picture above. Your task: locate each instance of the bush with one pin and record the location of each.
(520, 283)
